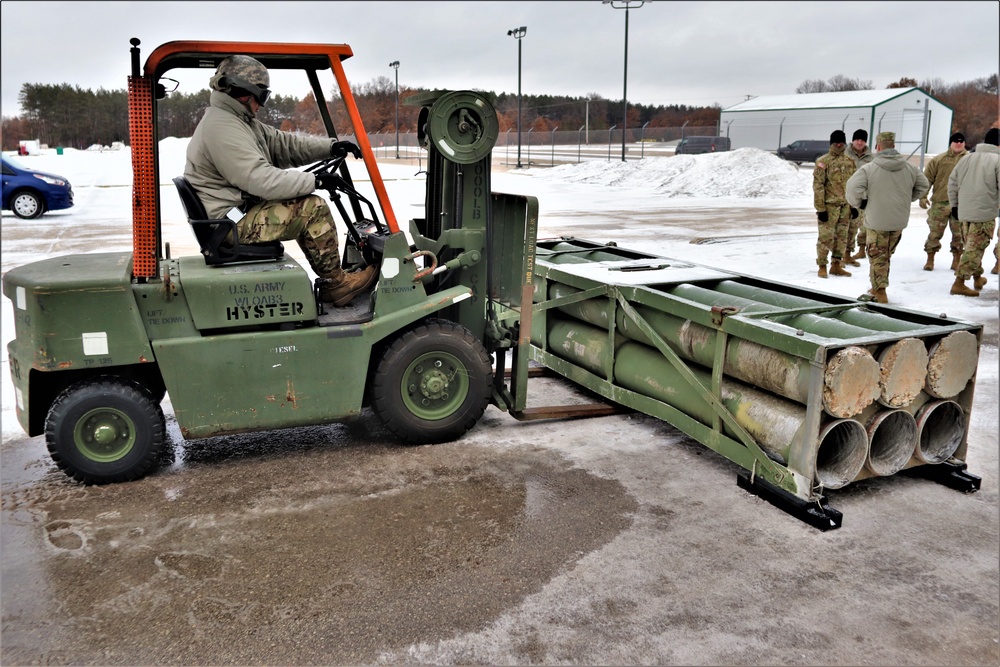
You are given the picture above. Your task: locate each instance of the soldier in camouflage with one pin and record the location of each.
(234, 161)
(939, 217)
(861, 154)
(832, 210)
(974, 193)
(885, 188)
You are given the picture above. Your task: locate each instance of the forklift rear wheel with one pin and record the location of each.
(433, 383)
(104, 431)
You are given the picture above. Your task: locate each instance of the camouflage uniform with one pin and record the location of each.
(857, 226)
(977, 237)
(880, 245)
(307, 220)
(939, 217)
(974, 189)
(829, 177)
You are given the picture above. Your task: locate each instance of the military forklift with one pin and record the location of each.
(236, 334)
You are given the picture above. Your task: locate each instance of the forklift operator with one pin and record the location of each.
(236, 161)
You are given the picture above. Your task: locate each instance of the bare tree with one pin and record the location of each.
(835, 83)
(812, 86)
(933, 86)
(841, 82)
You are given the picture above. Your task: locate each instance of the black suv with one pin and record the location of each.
(696, 145)
(804, 151)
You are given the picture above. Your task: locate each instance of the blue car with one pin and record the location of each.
(29, 193)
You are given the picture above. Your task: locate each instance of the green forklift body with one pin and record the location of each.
(257, 293)
(263, 379)
(72, 313)
(249, 353)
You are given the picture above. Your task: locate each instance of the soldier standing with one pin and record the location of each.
(974, 193)
(861, 154)
(832, 210)
(939, 217)
(885, 188)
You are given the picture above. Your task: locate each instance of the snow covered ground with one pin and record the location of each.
(744, 211)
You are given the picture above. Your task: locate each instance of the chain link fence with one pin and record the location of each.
(542, 149)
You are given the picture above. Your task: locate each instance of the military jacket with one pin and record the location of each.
(890, 184)
(829, 179)
(974, 184)
(865, 157)
(233, 157)
(937, 172)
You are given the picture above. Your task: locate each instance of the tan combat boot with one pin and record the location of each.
(979, 282)
(956, 257)
(996, 266)
(850, 261)
(340, 287)
(959, 288)
(860, 254)
(837, 270)
(879, 295)
(822, 271)
(929, 266)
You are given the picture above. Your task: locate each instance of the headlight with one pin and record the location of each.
(50, 180)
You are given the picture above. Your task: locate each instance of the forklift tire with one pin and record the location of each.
(433, 383)
(105, 430)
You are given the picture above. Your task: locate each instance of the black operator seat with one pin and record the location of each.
(212, 234)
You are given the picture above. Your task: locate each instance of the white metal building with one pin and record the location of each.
(770, 122)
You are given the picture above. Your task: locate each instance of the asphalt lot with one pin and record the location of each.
(611, 540)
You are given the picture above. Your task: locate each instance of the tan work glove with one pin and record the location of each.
(923, 202)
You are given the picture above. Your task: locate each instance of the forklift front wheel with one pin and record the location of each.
(433, 383)
(104, 431)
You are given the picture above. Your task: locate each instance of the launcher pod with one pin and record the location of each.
(805, 391)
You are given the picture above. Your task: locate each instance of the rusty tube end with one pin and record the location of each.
(940, 429)
(892, 437)
(843, 449)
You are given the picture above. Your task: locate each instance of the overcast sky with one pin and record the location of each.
(695, 53)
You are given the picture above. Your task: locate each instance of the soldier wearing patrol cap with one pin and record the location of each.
(884, 188)
(234, 161)
(832, 210)
(939, 217)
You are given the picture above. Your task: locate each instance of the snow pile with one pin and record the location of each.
(748, 173)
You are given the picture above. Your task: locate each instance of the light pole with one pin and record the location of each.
(626, 5)
(518, 33)
(395, 65)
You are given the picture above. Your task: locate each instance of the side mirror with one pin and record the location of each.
(161, 90)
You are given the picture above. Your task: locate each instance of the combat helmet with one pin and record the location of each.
(242, 75)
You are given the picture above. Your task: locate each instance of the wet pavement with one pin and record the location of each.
(306, 546)
(612, 540)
